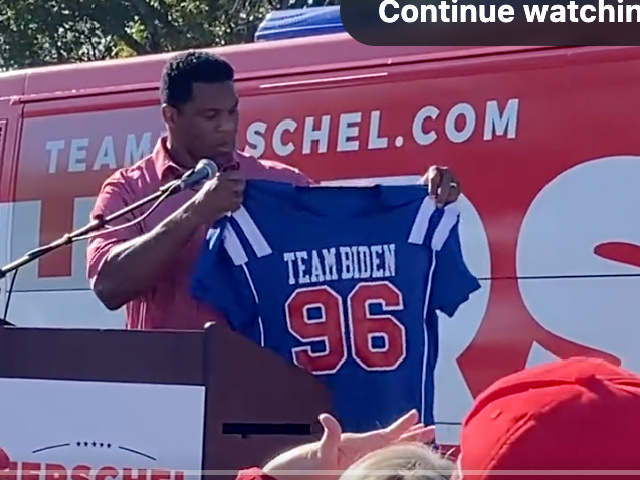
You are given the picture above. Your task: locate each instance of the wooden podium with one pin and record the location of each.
(255, 404)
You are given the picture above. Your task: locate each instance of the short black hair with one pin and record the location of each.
(184, 69)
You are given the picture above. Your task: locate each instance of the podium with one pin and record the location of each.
(149, 405)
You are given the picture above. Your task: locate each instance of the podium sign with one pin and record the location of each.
(102, 405)
(115, 430)
(156, 405)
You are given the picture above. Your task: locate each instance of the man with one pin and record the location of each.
(147, 266)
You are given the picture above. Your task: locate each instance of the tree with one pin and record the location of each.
(44, 32)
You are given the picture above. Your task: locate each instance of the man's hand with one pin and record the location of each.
(337, 451)
(443, 185)
(133, 266)
(219, 196)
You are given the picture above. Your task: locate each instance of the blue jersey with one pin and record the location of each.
(344, 282)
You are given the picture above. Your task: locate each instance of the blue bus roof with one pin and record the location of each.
(300, 22)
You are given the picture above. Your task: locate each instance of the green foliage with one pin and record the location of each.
(44, 32)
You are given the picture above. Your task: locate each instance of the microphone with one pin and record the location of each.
(205, 170)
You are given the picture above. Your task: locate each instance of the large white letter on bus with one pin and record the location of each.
(498, 123)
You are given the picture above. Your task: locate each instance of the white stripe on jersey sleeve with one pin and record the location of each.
(421, 223)
(234, 247)
(252, 232)
(448, 220)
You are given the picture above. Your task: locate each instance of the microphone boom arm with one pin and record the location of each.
(92, 226)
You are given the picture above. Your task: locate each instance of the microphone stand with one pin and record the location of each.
(97, 224)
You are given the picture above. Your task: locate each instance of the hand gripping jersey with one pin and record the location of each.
(344, 282)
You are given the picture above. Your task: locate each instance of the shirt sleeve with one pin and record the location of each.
(287, 173)
(304, 181)
(299, 178)
(224, 285)
(452, 282)
(112, 198)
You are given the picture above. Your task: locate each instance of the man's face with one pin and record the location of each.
(208, 124)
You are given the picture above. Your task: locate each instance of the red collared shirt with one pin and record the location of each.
(169, 304)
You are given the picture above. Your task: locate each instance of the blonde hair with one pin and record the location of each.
(413, 461)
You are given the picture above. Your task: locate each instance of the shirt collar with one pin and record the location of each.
(167, 169)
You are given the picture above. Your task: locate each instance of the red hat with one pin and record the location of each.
(580, 414)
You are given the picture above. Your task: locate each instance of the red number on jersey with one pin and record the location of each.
(365, 327)
(330, 327)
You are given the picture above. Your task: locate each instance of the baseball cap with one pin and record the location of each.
(571, 416)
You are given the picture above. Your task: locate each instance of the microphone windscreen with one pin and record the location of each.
(209, 165)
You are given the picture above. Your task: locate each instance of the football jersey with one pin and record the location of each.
(344, 282)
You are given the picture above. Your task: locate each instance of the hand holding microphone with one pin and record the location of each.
(205, 170)
(222, 192)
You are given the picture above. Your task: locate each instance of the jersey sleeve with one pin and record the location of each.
(220, 279)
(452, 282)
